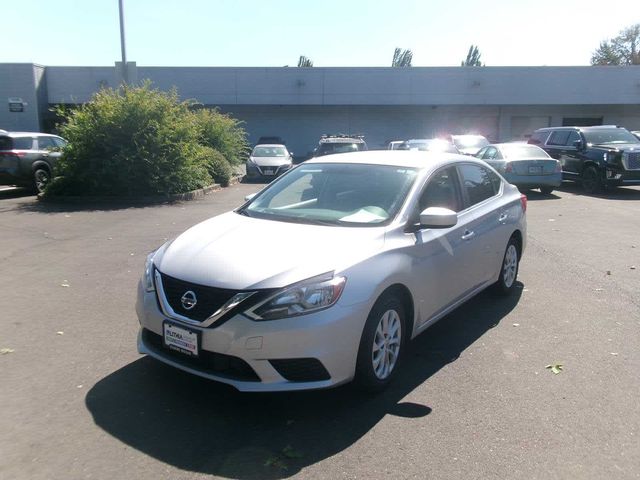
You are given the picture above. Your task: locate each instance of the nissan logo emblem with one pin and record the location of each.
(188, 300)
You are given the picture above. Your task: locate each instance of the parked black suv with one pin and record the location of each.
(27, 159)
(599, 157)
(330, 144)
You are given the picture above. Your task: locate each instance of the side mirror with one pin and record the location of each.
(578, 144)
(249, 197)
(438, 217)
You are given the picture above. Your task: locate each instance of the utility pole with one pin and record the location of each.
(125, 76)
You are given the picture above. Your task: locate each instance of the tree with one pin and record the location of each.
(304, 62)
(621, 50)
(473, 58)
(402, 58)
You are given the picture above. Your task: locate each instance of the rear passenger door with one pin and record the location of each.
(570, 156)
(48, 149)
(484, 219)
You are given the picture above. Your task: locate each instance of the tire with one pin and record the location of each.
(546, 190)
(382, 344)
(508, 269)
(591, 181)
(41, 178)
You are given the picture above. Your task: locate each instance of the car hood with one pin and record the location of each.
(237, 252)
(618, 146)
(270, 161)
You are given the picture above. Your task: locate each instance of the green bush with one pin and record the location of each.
(223, 133)
(218, 166)
(141, 141)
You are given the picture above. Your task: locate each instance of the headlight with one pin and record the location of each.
(308, 296)
(147, 277)
(609, 156)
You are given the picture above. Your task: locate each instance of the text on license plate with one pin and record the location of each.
(180, 339)
(535, 170)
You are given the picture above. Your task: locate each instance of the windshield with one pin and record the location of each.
(263, 151)
(470, 141)
(523, 152)
(613, 135)
(432, 145)
(335, 194)
(339, 147)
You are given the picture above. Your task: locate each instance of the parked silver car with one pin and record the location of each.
(523, 165)
(325, 275)
(267, 161)
(27, 159)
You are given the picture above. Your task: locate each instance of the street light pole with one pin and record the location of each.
(122, 45)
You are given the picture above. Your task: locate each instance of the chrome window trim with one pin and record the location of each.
(170, 313)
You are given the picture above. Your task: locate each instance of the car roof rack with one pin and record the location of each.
(341, 135)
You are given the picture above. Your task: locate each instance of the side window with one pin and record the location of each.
(490, 154)
(538, 138)
(573, 137)
(478, 183)
(23, 143)
(441, 191)
(60, 143)
(559, 137)
(45, 143)
(480, 154)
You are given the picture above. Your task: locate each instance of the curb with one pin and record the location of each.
(175, 197)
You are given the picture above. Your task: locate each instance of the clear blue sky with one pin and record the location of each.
(331, 33)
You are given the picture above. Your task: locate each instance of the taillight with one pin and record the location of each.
(523, 202)
(13, 153)
(508, 167)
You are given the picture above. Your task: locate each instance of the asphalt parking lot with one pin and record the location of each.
(474, 399)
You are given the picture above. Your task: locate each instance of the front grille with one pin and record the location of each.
(632, 160)
(225, 366)
(301, 369)
(209, 299)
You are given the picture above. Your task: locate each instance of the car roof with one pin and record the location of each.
(28, 134)
(396, 158)
(593, 127)
(270, 145)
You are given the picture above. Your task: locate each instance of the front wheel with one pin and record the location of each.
(591, 181)
(546, 190)
(382, 344)
(509, 270)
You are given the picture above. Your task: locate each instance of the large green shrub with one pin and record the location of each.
(140, 141)
(223, 133)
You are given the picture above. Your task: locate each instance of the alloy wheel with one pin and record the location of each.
(386, 344)
(510, 266)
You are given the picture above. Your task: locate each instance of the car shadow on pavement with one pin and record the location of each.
(534, 195)
(616, 193)
(201, 426)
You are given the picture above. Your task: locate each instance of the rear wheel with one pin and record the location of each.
(41, 178)
(509, 270)
(591, 181)
(546, 190)
(382, 344)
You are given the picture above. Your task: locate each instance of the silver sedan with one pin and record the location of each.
(325, 276)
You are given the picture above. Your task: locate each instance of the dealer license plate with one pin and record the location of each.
(535, 170)
(181, 339)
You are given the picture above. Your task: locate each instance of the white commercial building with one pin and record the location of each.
(384, 104)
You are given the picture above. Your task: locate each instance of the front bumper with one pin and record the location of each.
(255, 171)
(331, 337)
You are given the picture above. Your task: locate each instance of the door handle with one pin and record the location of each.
(503, 217)
(45, 154)
(468, 235)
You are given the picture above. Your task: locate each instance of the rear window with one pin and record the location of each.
(19, 143)
(523, 151)
(342, 147)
